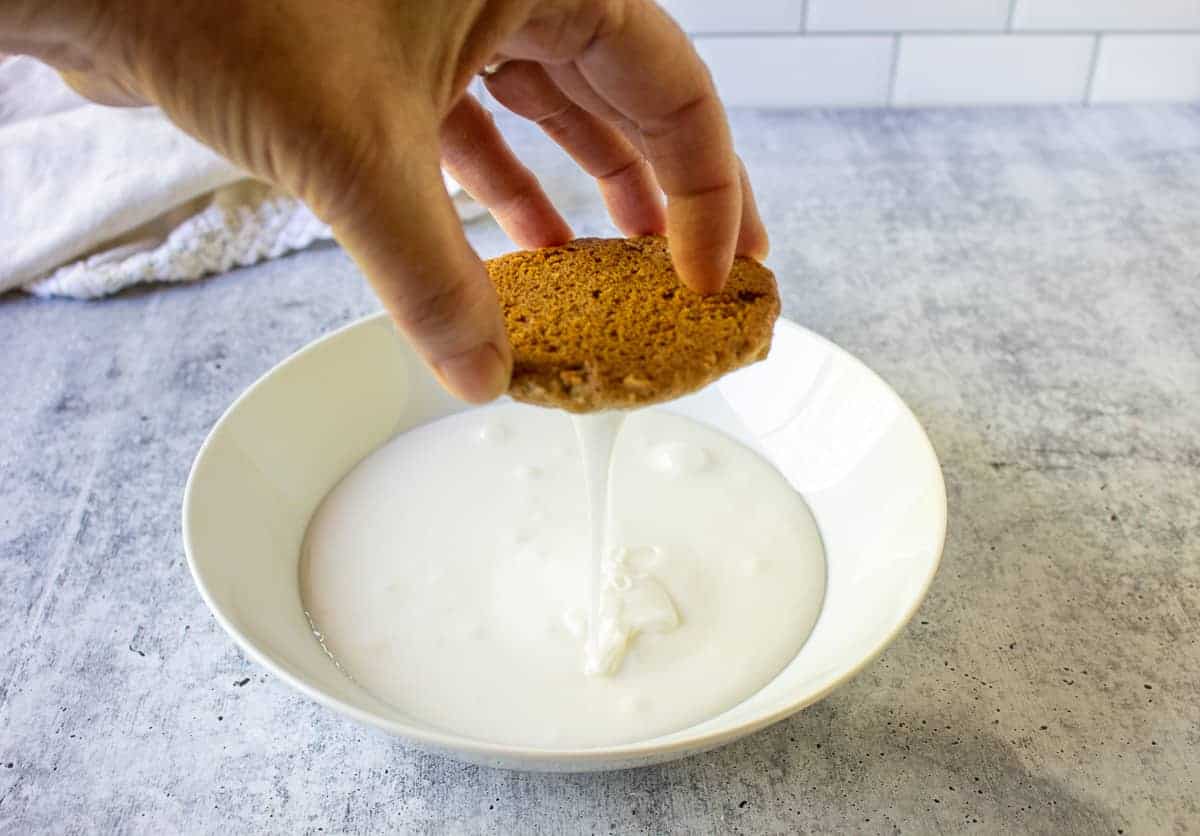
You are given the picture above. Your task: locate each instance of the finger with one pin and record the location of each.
(393, 215)
(646, 68)
(641, 63)
(101, 89)
(476, 155)
(752, 235)
(624, 176)
(568, 79)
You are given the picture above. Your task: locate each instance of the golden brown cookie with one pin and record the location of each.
(604, 323)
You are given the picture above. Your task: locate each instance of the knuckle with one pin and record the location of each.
(557, 30)
(565, 31)
(631, 167)
(334, 171)
(682, 118)
(558, 120)
(433, 309)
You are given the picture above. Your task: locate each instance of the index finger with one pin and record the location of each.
(643, 64)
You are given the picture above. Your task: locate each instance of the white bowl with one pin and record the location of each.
(836, 431)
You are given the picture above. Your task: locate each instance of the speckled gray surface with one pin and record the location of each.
(1030, 283)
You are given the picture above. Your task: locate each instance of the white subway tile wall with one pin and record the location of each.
(746, 16)
(800, 72)
(894, 16)
(1092, 15)
(992, 69)
(854, 53)
(1147, 68)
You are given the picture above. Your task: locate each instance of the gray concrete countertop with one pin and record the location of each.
(1029, 281)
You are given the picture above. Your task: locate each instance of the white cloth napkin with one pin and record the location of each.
(95, 199)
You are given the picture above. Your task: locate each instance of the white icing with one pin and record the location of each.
(449, 575)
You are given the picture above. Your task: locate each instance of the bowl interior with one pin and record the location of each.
(842, 438)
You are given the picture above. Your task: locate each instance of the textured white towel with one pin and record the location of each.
(95, 199)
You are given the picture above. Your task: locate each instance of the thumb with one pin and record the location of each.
(401, 228)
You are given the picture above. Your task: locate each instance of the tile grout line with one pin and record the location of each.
(935, 33)
(1089, 88)
(890, 101)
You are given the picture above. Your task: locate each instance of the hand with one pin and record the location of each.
(351, 106)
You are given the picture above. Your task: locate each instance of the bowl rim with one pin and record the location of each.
(484, 750)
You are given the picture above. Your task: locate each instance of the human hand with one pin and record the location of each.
(354, 106)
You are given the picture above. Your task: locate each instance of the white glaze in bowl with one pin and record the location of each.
(836, 431)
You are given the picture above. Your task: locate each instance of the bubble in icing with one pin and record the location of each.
(519, 536)
(755, 566)
(620, 581)
(473, 630)
(529, 555)
(631, 703)
(639, 560)
(676, 458)
(493, 432)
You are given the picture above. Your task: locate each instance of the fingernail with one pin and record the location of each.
(757, 250)
(754, 243)
(476, 376)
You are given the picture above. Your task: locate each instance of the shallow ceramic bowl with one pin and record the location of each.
(836, 431)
